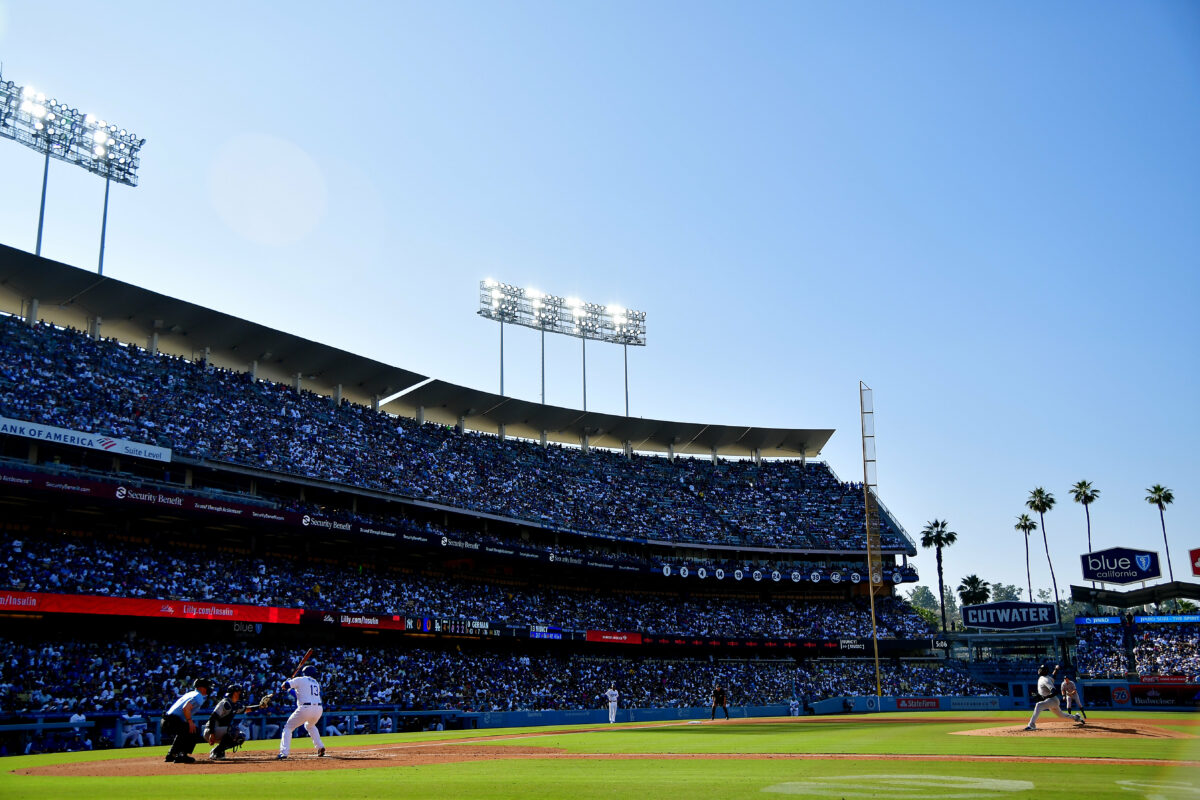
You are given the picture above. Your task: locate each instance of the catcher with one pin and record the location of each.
(221, 730)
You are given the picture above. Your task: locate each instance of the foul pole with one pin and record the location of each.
(866, 411)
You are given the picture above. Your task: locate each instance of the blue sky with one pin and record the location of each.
(988, 212)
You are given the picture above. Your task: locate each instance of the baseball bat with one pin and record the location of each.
(303, 661)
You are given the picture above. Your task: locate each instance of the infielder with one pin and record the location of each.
(612, 694)
(719, 700)
(1070, 692)
(308, 711)
(1049, 694)
(178, 724)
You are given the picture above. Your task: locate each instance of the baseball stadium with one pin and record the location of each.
(238, 559)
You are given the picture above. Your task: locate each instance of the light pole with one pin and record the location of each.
(48, 126)
(531, 308)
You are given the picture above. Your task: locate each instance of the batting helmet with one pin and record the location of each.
(309, 672)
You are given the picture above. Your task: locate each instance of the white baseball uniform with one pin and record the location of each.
(612, 695)
(1070, 693)
(1045, 687)
(308, 713)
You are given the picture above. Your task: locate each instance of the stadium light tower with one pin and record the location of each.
(531, 308)
(60, 131)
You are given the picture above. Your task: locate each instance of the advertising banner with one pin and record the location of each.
(372, 621)
(1194, 557)
(915, 703)
(1165, 696)
(1010, 615)
(614, 637)
(974, 703)
(1120, 565)
(135, 495)
(92, 441)
(38, 603)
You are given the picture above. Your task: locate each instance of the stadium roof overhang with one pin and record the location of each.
(68, 295)
(1175, 590)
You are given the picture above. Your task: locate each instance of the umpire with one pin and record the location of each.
(178, 724)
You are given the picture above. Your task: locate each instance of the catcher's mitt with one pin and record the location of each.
(265, 701)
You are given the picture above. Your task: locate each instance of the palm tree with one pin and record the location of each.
(1085, 494)
(973, 590)
(1162, 497)
(934, 534)
(1025, 524)
(1042, 501)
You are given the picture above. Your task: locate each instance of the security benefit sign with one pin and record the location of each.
(1120, 565)
(1010, 615)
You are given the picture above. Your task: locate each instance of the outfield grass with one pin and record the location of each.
(590, 777)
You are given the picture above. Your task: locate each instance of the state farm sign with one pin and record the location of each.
(925, 703)
(1010, 615)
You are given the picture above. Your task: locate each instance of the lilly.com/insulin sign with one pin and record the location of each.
(92, 441)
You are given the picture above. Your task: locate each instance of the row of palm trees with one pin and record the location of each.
(936, 533)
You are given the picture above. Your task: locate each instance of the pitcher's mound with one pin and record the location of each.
(1094, 729)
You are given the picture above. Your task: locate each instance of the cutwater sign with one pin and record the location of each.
(1010, 615)
(1120, 565)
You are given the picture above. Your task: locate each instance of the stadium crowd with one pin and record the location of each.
(1167, 648)
(144, 676)
(64, 378)
(1158, 648)
(60, 563)
(1100, 651)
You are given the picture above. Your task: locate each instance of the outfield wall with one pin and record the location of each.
(517, 719)
(863, 705)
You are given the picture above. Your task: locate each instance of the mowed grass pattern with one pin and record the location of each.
(590, 775)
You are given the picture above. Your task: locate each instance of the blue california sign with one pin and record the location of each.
(1120, 565)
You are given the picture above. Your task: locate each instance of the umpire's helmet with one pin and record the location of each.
(234, 687)
(309, 672)
(202, 683)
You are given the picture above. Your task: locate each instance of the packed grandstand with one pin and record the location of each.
(64, 378)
